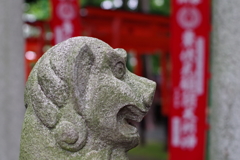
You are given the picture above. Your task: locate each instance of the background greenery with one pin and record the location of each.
(41, 9)
(151, 151)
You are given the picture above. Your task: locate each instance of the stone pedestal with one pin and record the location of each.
(11, 78)
(225, 107)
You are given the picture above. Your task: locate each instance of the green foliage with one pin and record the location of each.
(83, 2)
(96, 3)
(40, 9)
(129, 66)
(156, 64)
(150, 151)
(160, 7)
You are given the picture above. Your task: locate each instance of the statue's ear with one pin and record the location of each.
(82, 69)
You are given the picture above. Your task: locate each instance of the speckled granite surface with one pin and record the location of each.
(81, 103)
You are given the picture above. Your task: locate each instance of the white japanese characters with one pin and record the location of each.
(191, 82)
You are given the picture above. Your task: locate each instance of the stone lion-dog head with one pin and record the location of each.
(81, 103)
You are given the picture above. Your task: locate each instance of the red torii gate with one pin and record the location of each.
(129, 30)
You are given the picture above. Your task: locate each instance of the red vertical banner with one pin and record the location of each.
(190, 51)
(65, 21)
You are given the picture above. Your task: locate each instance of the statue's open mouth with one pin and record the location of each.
(128, 118)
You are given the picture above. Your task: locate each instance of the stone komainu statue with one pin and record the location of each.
(82, 103)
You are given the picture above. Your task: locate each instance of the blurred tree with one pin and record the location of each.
(96, 3)
(124, 5)
(41, 9)
(160, 7)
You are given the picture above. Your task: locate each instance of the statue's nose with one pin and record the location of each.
(143, 88)
(149, 93)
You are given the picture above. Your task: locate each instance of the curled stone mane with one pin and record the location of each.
(50, 90)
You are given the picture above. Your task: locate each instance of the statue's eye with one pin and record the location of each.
(119, 70)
